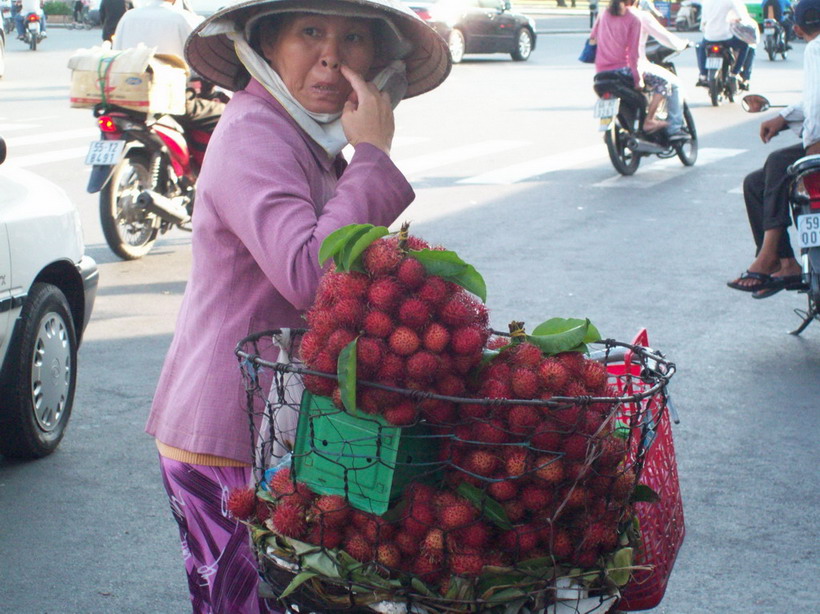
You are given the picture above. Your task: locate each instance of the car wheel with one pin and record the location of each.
(523, 46)
(456, 44)
(40, 376)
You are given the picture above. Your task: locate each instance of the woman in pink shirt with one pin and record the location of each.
(310, 78)
(618, 34)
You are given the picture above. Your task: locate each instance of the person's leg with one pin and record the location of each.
(700, 53)
(18, 19)
(746, 69)
(219, 562)
(650, 124)
(43, 22)
(741, 50)
(667, 83)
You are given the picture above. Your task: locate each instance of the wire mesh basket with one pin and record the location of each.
(462, 503)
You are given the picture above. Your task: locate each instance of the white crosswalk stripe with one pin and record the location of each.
(539, 166)
(412, 167)
(52, 137)
(46, 157)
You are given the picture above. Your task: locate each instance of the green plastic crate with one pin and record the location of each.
(360, 455)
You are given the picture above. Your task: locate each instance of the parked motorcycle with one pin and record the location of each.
(145, 170)
(31, 31)
(721, 82)
(621, 110)
(774, 39)
(804, 202)
(687, 18)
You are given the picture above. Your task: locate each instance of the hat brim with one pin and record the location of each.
(214, 58)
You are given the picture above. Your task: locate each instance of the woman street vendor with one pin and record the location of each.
(310, 76)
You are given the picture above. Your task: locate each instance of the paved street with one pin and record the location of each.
(509, 172)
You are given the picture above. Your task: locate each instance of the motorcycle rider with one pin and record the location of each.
(715, 20)
(26, 7)
(776, 9)
(766, 191)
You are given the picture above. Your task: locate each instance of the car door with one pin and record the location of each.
(501, 26)
(476, 22)
(5, 290)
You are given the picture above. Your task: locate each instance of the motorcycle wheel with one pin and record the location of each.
(688, 150)
(624, 160)
(32, 43)
(130, 232)
(715, 91)
(770, 48)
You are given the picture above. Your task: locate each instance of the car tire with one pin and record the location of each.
(523, 46)
(40, 376)
(456, 43)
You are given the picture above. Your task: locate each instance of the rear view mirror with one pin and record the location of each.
(754, 103)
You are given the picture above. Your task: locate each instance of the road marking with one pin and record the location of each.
(46, 157)
(539, 166)
(662, 170)
(52, 137)
(6, 128)
(417, 164)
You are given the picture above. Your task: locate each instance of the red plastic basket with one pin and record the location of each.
(662, 525)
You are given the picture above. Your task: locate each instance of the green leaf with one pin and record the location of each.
(554, 340)
(346, 370)
(322, 563)
(421, 587)
(351, 256)
(560, 325)
(450, 267)
(619, 571)
(297, 581)
(507, 594)
(644, 493)
(342, 257)
(336, 240)
(491, 508)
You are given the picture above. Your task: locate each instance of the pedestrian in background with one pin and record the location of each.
(111, 11)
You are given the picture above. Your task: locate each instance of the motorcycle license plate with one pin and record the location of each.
(768, 31)
(714, 62)
(605, 109)
(105, 153)
(808, 230)
(33, 26)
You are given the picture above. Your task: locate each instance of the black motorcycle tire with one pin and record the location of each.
(715, 94)
(130, 240)
(624, 160)
(32, 43)
(770, 48)
(688, 150)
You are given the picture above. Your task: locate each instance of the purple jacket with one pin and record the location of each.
(266, 198)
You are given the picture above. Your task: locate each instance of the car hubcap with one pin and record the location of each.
(456, 46)
(524, 45)
(50, 371)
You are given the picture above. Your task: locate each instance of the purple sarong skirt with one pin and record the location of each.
(221, 567)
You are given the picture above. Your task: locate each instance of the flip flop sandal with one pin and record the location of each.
(763, 278)
(786, 282)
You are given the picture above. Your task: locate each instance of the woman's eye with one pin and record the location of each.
(355, 37)
(311, 31)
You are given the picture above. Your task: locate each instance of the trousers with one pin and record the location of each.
(766, 193)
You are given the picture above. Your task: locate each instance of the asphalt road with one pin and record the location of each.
(509, 172)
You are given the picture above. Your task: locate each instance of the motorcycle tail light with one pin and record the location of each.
(811, 185)
(33, 17)
(106, 124)
(714, 49)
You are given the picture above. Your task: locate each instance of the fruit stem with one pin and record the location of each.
(404, 233)
(517, 332)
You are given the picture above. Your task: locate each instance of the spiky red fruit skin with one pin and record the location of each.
(338, 340)
(595, 377)
(402, 414)
(525, 383)
(468, 339)
(332, 510)
(242, 503)
(554, 375)
(327, 537)
(534, 498)
(436, 337)
(419, 519)
(382, 257)
(467, 563)
(388, 555)
(369, 352)
(519, 540)
(434, 544)
(459, 514)
(450, 385)
(549, 468)
(575, 446)
(523, 419)
(426, 569)
(404, 341)
(475, 535)
(358, 547)
(263, 510)
(422, 366)
(310, 345)
(392, 368)
(374, 529)
(525, 355)
(414, 312)
(547, 439)
(481, 462)
(457, 311)
(491, 431)
(289, 519)
(384, 294)
(378, 324)
(349, 312)
(499, 370)
(514, 509)
(434, 290)
(496, 389)
(411, 273)
(503, 490)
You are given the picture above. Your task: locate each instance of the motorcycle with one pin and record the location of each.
(688, 16)
(8, 20)
(621, 110)
(774, 39)
(721, 83)
(144, 169)
(31, 32)
(804, 203)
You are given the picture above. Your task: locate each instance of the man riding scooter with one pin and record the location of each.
(26, 7)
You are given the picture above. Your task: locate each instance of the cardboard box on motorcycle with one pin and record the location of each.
(136, 79)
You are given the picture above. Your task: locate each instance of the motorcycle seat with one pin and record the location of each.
(805, 164)
(618, 84)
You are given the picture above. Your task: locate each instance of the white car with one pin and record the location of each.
(47, 291)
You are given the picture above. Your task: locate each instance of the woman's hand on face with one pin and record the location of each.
(367, 116)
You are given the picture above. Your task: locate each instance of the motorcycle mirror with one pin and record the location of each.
(2, 150)
(754, 103)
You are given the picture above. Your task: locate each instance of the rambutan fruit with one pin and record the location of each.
(498, 370)
(519, 540)
(464, 363)
(546, 439)
(474, 410)
(349, 312)
(468, 562)
(496, 389)
(369, 352)
(575, 471)
(434, 291)
(623, 485)
(353, 285)
(490, 431)
(433, 544)
(422, 366)
(375, 529)
(331, 510)
(475, 535)
(459, 514)
(438, 411)
(358, 547)
(612, 452)
(535, 498)
(568, 416)
(573, 361)
(321, 321)
(337, 341)
(574, 496)
(384, 294)
(518, 462)
(419, 519)
(388, 555)
(481, 462)
(407, 543)
(502, 490)
(378, 324)
(458, 310)
(327, 292)
(392, 368)
(496, 342)
(428, 570)
(450, 385)
(416, 243)
(382, 257)
(514, 509)
(414, 312)
(404, 341)
(436, 337)
(585, 559)
(468, 339)
(523, 419)
(411, 273)
(525, 355)
(554, 375)
(575, 446)
(595, 377)
(310, 345)
(561, 544)
(549, 468)
(289, 519)
(263, 511)
(242, 503)
(327, 537)
(403, 414)
(525, 383)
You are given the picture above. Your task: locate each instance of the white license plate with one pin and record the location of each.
(105, 152)
(33, 26)
(768, 31)
(714, 62)
(606, 107)
(808, 230)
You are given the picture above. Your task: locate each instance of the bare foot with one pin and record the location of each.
(653, 125)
